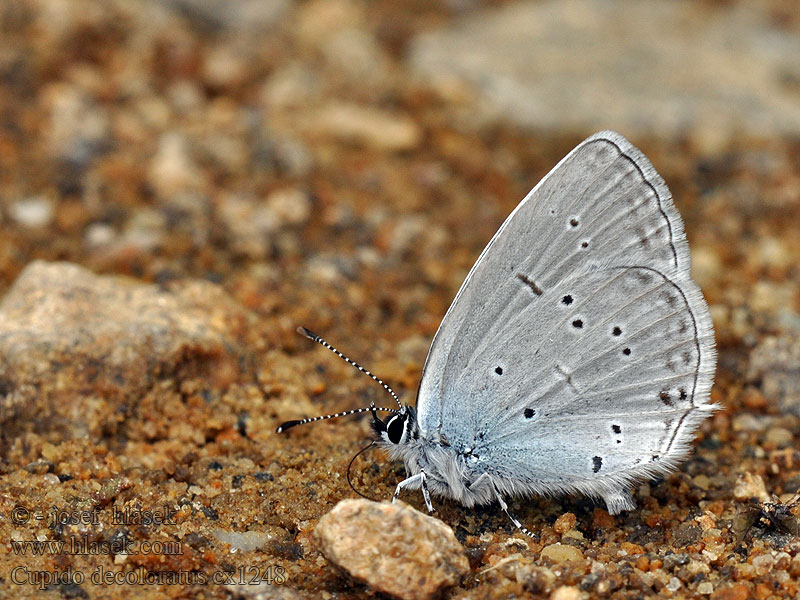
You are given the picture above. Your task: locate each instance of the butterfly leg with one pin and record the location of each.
(413, 481)
(504, 506)
(513, 519)
(477, 484)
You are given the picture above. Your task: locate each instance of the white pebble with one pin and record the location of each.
(36, 211)
(705, 588)
(674, 584)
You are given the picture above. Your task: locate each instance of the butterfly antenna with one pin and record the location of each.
(350, 465)
(289, 424)
(313, 336)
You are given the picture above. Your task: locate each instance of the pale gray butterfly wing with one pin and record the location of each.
(578, 354)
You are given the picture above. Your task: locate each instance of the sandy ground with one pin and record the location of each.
(223, 175)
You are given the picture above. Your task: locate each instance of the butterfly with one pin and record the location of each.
(577, 356)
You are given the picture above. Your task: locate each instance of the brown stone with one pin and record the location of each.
(733, 592)
(392, 547)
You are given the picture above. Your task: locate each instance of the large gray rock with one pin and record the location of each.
(650, 67)
(77, 350)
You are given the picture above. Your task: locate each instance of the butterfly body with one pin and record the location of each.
(453, 469)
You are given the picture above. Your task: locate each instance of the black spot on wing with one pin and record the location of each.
(597, 463)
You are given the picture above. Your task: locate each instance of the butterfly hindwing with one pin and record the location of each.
(615, 370)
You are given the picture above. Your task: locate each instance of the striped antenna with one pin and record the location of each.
(289, 424)
(313, 336)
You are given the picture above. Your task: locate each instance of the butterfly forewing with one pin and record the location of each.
(578, 325)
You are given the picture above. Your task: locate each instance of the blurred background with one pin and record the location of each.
(340, 164)
(352, 149)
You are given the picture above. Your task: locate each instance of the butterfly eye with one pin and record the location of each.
(395, 427)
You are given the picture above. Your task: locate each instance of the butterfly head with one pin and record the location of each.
(398, 428)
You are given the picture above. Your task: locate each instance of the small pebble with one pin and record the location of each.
(564, 523)
(707, 520)
(753, 399)
(674, 584)
(537, 580)
(705, 588)
(289, 206)
(750, 486)
(394, 548)
(367, 126)
(32, 212)
(747, 422)
(99, 234)
(172, 169)
(566, 592)
(763, 563)
(242, 541)
(559, 553)
(778, 437)
(224, 67)
(51, 479)
(733, 592)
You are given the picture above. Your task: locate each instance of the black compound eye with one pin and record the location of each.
(395, 427)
